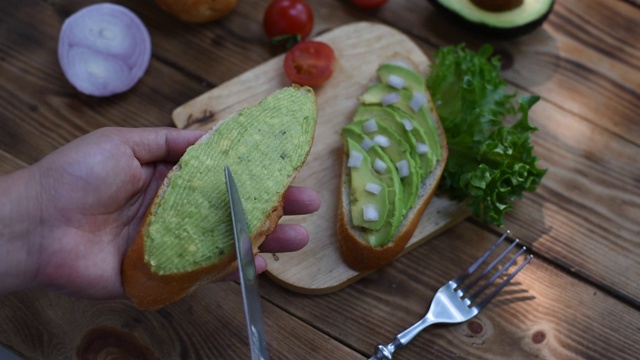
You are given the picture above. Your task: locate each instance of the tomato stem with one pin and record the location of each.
(288, 40)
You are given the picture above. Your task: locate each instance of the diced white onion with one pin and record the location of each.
(370, 126)
(403, 168)
(373, 188)
(390, 98)
(407, 124)
(379, 166)
(417, 100)
(370, 212)
(355, 159)
(422, 148)
(382, 141)
(366, 144)
(395, 81)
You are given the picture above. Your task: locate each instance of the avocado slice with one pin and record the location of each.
(362, 196)
(376, 94)
(393, 187)
(405, 126)
(412, 80)
(393, 125)
(397, 150)
(522, 18)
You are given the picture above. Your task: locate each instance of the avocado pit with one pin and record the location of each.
(497, 5)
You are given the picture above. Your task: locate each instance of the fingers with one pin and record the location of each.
(301, 200)
(158, 144)
(261, 266)
(285, 238)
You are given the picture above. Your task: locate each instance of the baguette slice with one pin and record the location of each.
(186, 237)
(355, 250)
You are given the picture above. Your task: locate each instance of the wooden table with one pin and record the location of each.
(578, 299)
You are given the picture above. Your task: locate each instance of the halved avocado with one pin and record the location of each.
(498, 18)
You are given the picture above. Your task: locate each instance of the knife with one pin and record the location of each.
(247, 269)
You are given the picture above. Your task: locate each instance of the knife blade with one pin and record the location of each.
(247, 270)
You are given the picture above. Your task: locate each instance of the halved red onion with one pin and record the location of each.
(104, 49)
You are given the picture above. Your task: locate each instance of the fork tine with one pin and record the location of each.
(478, 262)
(499, 288)
(489, 267)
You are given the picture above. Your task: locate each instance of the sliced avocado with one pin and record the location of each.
(377, 92)
(393, 186)
(514, 19)
(397, 151)
(263, 145)
(412, 80)
(360, 197)
(395, 119)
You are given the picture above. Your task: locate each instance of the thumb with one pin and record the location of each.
(158, 144)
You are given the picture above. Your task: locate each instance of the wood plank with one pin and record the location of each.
(588, 191)
(544, 313)
(209, 324)
(8, 163)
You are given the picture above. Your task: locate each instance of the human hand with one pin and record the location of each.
(93, 195)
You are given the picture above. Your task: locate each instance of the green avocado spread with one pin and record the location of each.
(263, 145)
(398, 143)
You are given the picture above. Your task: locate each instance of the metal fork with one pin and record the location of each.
(453, 303)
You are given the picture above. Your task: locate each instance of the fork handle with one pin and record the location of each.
(385, 352)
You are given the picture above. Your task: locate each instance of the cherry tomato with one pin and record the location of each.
(288, 18)
(309, 63)
(368, 4)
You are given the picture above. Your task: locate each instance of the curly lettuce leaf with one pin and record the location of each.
(490, 162)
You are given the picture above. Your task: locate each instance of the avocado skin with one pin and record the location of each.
(503, 33)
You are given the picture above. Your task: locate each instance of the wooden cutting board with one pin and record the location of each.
(360, 48)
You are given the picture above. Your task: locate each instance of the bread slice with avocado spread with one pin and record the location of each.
(394, 154)
(187, 236)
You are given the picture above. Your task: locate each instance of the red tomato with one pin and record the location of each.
(288, 17)
(309, 63)
(369, 4)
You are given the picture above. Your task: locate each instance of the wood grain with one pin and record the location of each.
(579, 299)
(209, 325)
(542, 315)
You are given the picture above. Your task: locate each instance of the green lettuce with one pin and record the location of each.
(491, 162)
